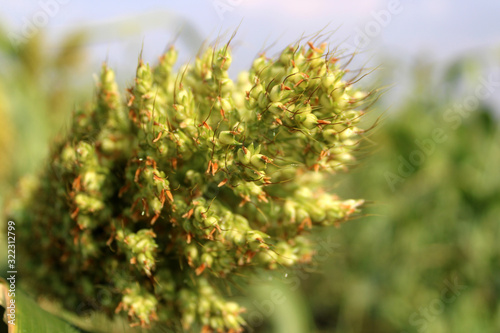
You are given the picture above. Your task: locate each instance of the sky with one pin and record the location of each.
(441, 29)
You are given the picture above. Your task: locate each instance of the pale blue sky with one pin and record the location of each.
(444, 29)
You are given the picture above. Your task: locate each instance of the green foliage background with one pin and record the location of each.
(438, 226)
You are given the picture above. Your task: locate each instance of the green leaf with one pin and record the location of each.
(29, 317)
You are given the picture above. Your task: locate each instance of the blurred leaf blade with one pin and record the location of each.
(29, 317)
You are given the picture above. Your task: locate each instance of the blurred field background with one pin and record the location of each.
(425, 257)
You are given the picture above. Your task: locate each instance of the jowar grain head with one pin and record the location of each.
(189, 178)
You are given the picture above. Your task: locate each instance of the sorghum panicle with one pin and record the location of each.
(189, 178)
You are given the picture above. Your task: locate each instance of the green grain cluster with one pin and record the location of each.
(188, 180)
